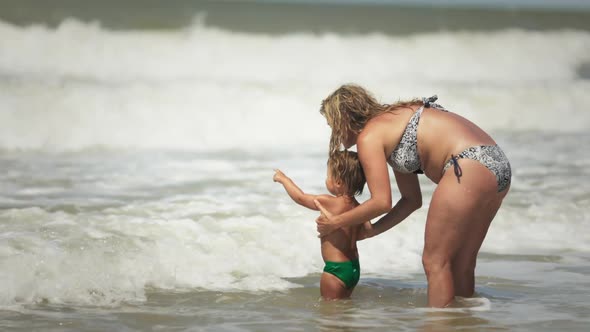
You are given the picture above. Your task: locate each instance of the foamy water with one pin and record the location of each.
(99, 227)
(137, 175)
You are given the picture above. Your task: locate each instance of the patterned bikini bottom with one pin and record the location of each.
(491, 156)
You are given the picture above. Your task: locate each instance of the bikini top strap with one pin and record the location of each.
(430, 102)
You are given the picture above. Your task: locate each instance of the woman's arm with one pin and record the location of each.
(372, 156)
(411, 200)
(365, 231)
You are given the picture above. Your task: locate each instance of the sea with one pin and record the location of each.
(138, 140)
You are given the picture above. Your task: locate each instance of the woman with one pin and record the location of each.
(415, 137)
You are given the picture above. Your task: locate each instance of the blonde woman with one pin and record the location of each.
(472, 175)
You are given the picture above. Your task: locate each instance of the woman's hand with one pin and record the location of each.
(365, 231)
(325, 222)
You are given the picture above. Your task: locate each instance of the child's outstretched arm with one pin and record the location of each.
(295, 192)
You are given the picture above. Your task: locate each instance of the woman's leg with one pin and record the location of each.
(465, 260)
(458, 218)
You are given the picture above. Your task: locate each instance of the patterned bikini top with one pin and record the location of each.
(404, 157)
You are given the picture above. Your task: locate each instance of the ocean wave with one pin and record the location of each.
(80, 85)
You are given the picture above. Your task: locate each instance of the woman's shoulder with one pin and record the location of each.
(385, 126)
(393, 116)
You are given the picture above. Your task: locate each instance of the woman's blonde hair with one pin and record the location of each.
(346, 167)
(349, 108)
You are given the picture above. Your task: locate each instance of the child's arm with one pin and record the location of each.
(295, 192)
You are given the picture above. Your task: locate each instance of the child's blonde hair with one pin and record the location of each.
(346, 167)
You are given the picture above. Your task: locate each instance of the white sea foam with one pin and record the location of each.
(235, 239)
(106, 259)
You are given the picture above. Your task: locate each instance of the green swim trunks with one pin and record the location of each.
(349, 272)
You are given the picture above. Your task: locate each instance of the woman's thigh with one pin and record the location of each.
(456, 210)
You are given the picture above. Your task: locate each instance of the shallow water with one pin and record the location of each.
(98, 240)
(378, 305)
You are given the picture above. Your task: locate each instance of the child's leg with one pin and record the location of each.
(332, 288)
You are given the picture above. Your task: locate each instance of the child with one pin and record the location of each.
(345, 179)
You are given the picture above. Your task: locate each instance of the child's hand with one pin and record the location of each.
(279, 176)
